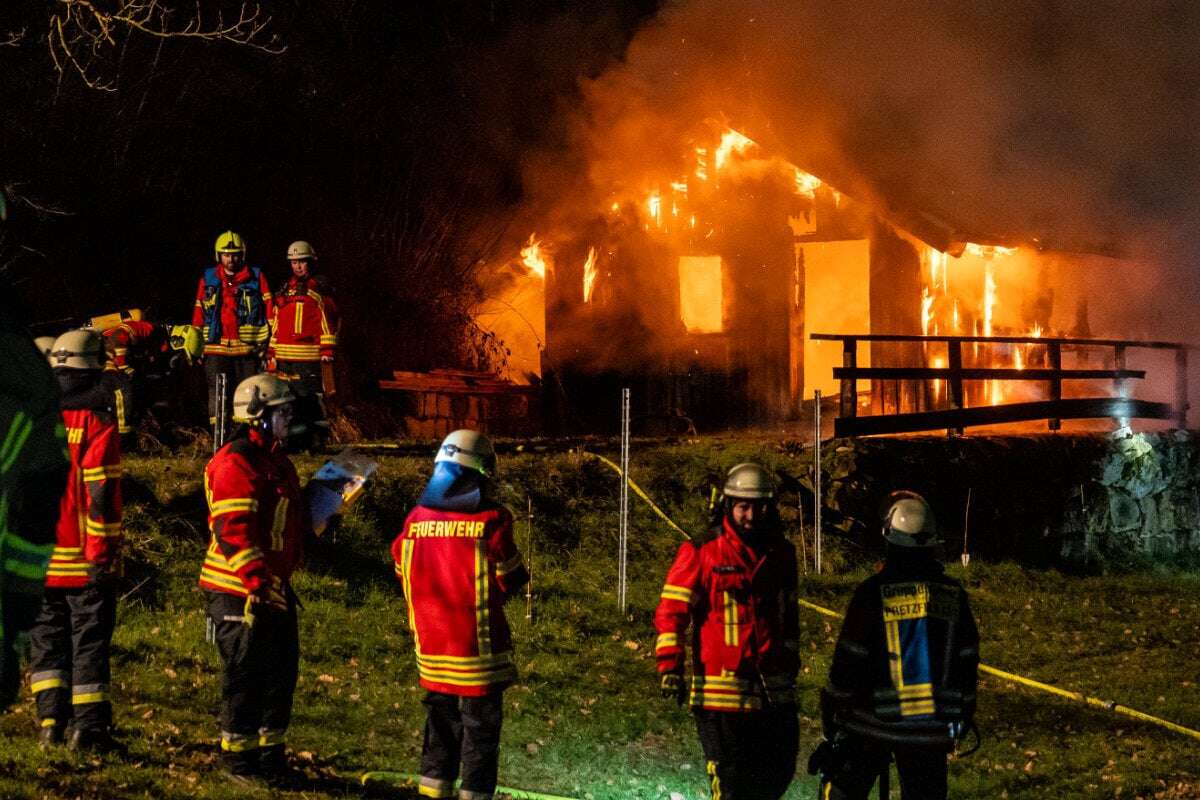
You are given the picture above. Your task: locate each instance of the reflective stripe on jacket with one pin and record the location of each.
(257, 519)
(741, 608)
(233, 312)
(456, 570)
(89, 518)
(305, 322)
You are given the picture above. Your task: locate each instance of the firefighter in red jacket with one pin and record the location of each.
(737, 591)
(142, 354)
(304, 333)
(233, 310)
(73, 634)
(457, 563)
(258, 522)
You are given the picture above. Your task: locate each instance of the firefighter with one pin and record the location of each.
(233, 311)
(258, 523)
(141, 354)
(457, 563)
(31, 486)
(304, 334)
(902, 681)
(736, 590)
(73, 635)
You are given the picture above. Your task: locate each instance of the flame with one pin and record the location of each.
(731, 142)
(988, 250)
(589, 275)
(1036, 332)
(615, 207)
(989, 299)
(1018, 359)
(926, 310)
(533, 257)
(680, 186)
(938, 362)
(957, 322)
(702, 163)
(806, 184)
(654, 207)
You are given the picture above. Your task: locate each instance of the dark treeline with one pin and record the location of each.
(390, 135)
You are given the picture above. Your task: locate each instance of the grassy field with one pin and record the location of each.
(586, 720)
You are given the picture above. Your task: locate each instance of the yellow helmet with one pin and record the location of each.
(188, 339)
(256, 394)
(230, 242)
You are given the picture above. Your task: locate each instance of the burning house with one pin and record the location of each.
(699, 283)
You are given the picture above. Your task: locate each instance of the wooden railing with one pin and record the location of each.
(957, 415)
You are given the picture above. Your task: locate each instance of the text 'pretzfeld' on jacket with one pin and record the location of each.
(257, 519)
(89, 519)
(234, 312)
(908, 650)
(457, 569)
(741, 607)
(305, 322)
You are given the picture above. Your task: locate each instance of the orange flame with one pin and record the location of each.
(589, 275)
(731, 142)
(989, 299)
(654, 207)
(807, 184)
(533, 257)
(702, 163)
(926, 310)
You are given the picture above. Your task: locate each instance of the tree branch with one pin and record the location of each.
(81, 34)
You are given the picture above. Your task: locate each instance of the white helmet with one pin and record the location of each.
(909, 521)
(256, 394)
(301, 251)
(749, 482)
(469, 448)
(45, 345)
(82, 348)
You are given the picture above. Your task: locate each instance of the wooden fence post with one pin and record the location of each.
(1055, 383)
(848, 401)
(955, 383)
(1181, 386)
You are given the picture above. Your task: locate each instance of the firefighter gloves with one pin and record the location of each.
(672, 687)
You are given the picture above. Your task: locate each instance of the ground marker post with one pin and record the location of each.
(966, 554)
(817, 478)
(623, 535)
(220, 390)
(529, 558)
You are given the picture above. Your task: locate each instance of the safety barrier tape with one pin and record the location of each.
(408, 779)
(1079, 697)
(640, 493)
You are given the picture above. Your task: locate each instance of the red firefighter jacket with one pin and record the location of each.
(457, 569)
(257, 518)
(305, 323)
(745, 628)
(89, 517)
(233, 311)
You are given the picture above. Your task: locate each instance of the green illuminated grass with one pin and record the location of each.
(586, 720)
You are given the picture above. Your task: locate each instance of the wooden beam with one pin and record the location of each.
(985, 373)
(1075, 408)
(902, 337)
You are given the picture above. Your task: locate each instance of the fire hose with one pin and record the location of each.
(1012, 677)
(407, 779)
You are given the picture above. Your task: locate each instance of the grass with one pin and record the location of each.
(586, 720)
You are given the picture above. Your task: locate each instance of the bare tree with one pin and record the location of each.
(83, 34)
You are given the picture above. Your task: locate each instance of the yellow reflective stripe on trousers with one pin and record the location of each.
(84, 693)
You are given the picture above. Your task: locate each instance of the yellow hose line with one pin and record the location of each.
(640, 493)
(1078, 697)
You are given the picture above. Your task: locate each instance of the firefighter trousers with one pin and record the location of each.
(922, 771)
(70, 646)
(750, 755)
(305, 379)
(466, 731)
(261, 664)
(235, 369)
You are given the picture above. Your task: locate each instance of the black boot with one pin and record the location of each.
(51, 735)
(94, 740)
